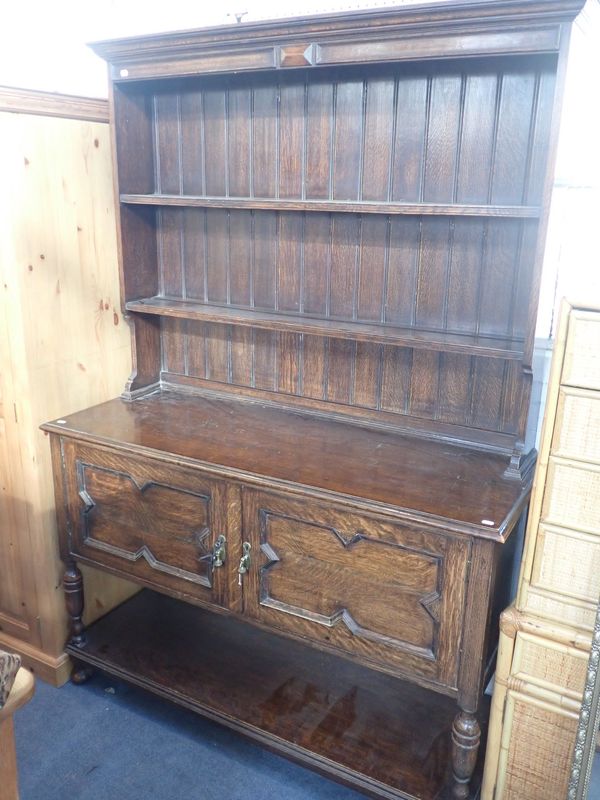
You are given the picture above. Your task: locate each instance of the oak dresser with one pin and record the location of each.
(330, 234)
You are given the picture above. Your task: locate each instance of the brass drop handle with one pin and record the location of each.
(244, 561)
(219, 552)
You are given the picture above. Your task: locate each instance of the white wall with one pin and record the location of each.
(42, 44)
(572, 258)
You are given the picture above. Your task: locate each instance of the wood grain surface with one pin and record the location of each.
(312, 707)
(63, 345)
(453, 487)
(331, 235)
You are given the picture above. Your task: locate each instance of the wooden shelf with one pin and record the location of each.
(367, 207)
(372, 731)
(492, 347)
(424, 480)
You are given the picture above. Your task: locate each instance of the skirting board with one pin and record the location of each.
(52, 670)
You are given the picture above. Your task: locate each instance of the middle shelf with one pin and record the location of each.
(334, 206)
(469, 343)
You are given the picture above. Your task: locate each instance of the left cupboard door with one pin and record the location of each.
(161, 525)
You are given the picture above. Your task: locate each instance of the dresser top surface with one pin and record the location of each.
(428, 479)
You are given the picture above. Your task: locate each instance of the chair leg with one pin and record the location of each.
(9, 789)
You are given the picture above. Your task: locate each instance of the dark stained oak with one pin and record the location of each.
(387, 593)
(338, 329)
(312, 707)
(154, 521)
(364, 207)
(466, 739)
(352, 199)
(390, 593)
(330, 243)
(441, 484)
(452, 29)
(73, 589)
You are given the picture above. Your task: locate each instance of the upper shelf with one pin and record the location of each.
(362, 207)
(489, 346)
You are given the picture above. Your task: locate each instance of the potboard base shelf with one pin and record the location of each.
(378, 734)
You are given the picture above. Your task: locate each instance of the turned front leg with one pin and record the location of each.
(466, 735)
(73, 586)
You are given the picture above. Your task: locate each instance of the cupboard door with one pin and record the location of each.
(367, 586)
(149, 521)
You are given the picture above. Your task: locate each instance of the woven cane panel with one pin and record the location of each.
(577, 431)
(572, 496)
(540, 752)
(560, 609)
(550, 662)
(568, 563)
(582, 356)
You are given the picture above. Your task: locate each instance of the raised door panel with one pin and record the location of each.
(363, 585)
(153, 522)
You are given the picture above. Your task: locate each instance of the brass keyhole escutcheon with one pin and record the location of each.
(219, 552)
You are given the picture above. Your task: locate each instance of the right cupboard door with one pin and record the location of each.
(387, 593)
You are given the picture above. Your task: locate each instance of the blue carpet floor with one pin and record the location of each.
(110, 741)
(594, 790)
